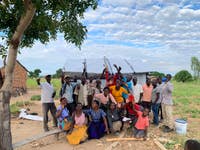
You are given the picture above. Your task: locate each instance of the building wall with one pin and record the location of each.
(141, 78)
(20, 76)
(19, 79)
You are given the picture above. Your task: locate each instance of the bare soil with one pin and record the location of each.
(22, 129)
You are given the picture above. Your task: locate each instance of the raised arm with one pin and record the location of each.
(106, 124)
(38, 81)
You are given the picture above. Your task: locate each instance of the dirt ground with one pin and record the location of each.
(23, 129)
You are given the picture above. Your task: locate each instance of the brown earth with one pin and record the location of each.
(22, 129)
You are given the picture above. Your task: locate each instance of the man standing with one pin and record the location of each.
(137, 90)
(167, 105)
(81, 91)
(155, 102)
(160, 84)
(47, 95)
(147, 93)
(67, 92)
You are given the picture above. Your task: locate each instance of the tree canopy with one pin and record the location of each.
(51, 17)
(183, 76)
(195, 66)
(22, 23)
(35, 73)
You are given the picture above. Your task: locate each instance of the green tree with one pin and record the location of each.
(35, 73)
(58, 74)
(183, 76)
(22, 23)
(157, 74)
(195, 67)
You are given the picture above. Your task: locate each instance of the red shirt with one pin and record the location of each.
(130, 109)
(142, 122)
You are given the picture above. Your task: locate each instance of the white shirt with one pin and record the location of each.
(136, 90)
(68, 93)
(47, 91)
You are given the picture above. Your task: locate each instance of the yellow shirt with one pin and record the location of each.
(117, 94)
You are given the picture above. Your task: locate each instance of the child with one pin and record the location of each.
(142, 123)
(130, 113)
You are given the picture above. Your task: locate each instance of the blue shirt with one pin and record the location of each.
(64, 114)
(95, 116)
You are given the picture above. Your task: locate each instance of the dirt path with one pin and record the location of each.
(22, 129)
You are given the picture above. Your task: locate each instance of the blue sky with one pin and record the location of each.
(153, 35)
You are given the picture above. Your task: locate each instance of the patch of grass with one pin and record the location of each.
(23, 103)
(14, 109)
(31, 83)
(170, 145)
(36, 98)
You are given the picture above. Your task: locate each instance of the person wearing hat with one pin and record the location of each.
(67, 92)
(167, 105)
(47, 97)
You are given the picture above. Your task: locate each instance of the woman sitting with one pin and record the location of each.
(97, 126)
(79, 131)
(62, 114)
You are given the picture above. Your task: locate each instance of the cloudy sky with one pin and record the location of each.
(152, 35)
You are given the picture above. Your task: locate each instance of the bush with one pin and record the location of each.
(36, 98)
(157, 74)
(14, 109)
(183, 76)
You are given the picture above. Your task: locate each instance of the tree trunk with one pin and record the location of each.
(5, 92)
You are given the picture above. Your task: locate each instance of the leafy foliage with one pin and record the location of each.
(51, 17)
(36, 98)
(58, 73)
(35, 73)
(183, 76)
(157, 74)
(195, 67)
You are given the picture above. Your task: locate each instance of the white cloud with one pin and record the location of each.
(152, 34)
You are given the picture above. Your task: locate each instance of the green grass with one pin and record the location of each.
(36, 98)
(186, 98)
(14, 108)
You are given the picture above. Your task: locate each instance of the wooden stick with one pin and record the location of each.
(124, 139)
(159, 144)
(37, 137)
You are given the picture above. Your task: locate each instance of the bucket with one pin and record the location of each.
(181, 126)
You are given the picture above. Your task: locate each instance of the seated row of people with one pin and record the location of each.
(94, 122)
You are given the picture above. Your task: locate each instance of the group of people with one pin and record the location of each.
(89, 110)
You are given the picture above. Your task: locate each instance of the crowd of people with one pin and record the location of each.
(89, 110)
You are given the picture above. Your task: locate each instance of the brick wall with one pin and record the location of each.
(19, 78)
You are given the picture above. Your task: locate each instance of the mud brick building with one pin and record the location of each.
(19, 79)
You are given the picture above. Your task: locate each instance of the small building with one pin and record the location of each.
(19, 79)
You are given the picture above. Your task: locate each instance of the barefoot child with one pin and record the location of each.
(142, 123)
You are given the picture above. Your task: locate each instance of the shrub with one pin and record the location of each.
(36, 98)
(183, 76)
(14, 109)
